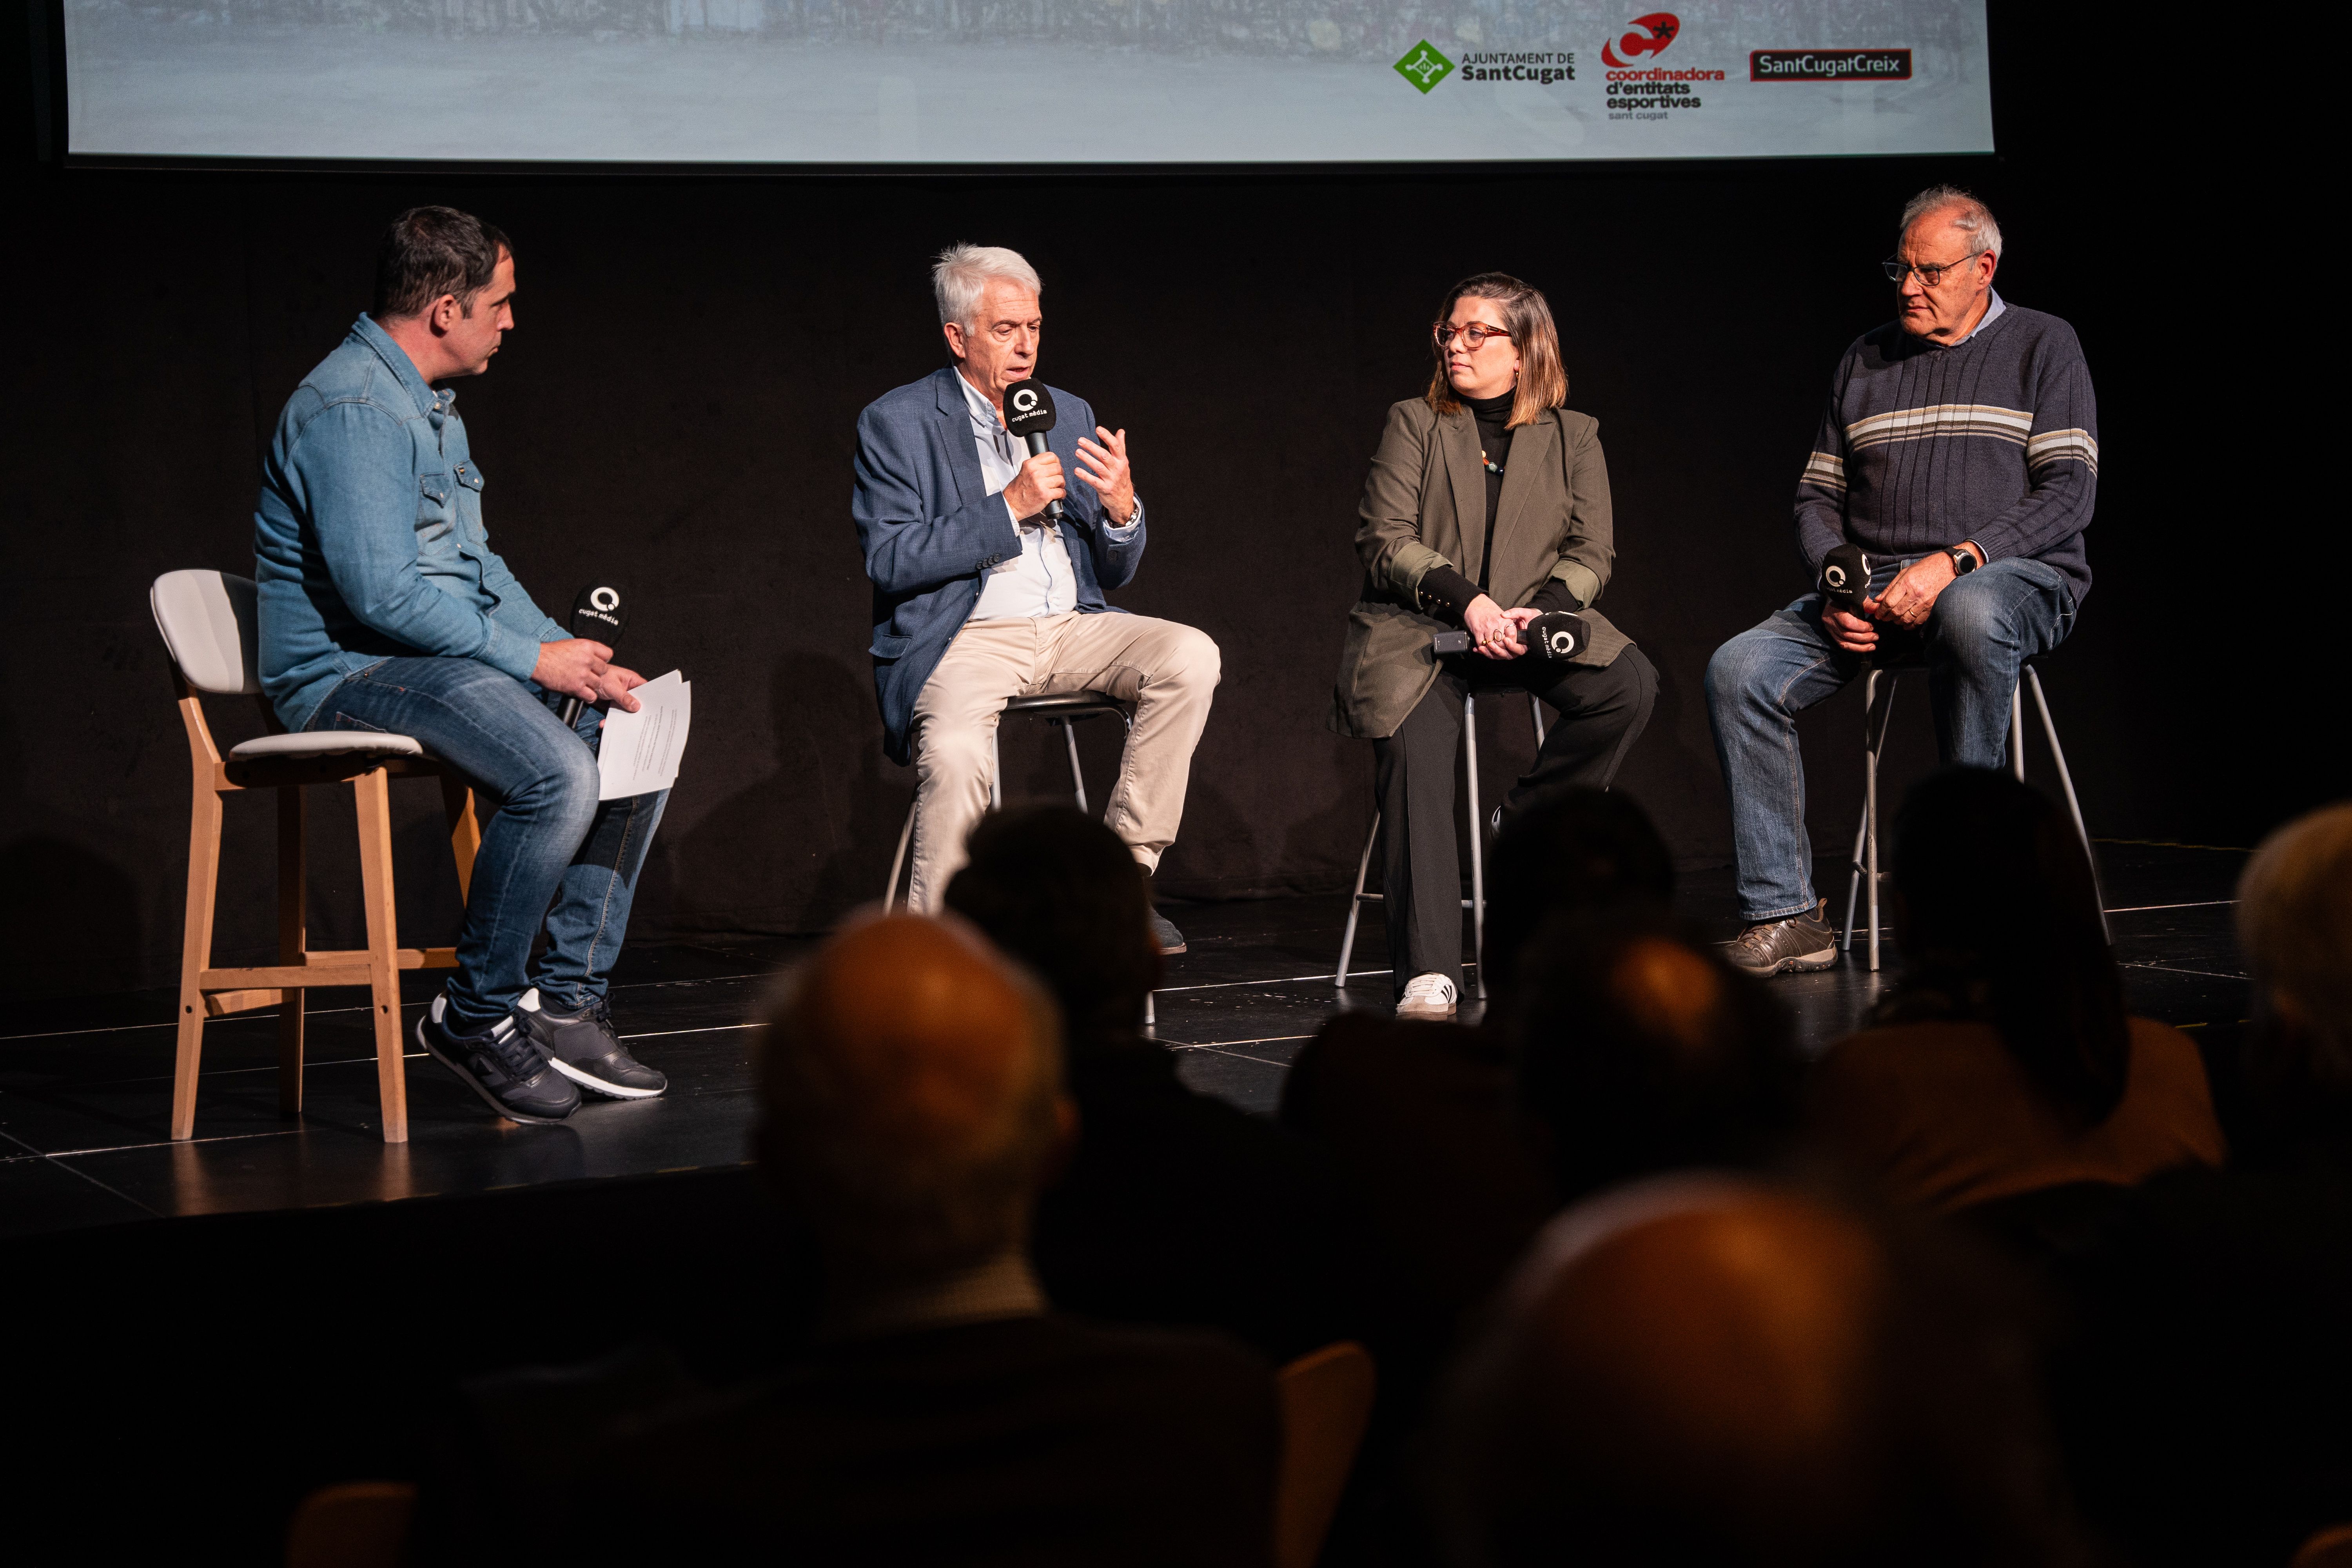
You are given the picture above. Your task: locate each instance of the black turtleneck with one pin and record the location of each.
(1445, 588)
(1494, 418)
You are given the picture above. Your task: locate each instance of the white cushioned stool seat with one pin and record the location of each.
(328, 744)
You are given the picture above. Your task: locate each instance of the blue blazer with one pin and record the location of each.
(928, 528)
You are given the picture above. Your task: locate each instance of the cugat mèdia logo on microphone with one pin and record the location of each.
(1638, 90)
(1425, 66)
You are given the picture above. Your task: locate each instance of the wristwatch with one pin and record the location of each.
(1964, 559)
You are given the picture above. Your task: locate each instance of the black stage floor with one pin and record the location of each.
(85, 1085)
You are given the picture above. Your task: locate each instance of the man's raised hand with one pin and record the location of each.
(1105, 467)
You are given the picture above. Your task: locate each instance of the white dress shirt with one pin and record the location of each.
(1039, 581)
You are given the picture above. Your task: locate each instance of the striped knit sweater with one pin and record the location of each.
(1995, 440)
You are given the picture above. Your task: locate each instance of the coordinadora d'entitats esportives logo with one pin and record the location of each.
(1639, 91)
(1650, 35)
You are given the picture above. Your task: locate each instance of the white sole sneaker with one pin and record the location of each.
(1434, 1002)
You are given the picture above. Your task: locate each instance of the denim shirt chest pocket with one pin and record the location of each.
(450, 529)
(468, 500)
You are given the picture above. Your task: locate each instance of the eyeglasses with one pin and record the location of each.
(1895, 268)
(1473, 336)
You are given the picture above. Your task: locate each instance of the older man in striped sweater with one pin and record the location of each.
(1960, 451)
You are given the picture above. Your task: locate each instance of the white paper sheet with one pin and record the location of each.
(640, 751)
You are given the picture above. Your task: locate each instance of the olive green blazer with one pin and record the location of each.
(1425, 506)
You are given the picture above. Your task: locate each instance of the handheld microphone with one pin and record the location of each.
(1555, 636)
(601, 614)
(1029, 414)
(1846, 578)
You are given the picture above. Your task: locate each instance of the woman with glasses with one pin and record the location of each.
(1486, 507)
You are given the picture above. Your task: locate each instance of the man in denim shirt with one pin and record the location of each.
(384, 607)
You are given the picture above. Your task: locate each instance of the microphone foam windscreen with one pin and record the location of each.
(1028, 407)
(1845, 574)
(599, 613)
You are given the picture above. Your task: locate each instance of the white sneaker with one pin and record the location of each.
(1427, 997)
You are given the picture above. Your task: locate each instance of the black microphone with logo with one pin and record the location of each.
(1846, 578)
(1029, 414)
(1845, 584)
(1555, 636)
(599, 613)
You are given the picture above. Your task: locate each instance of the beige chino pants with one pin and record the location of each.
(1169, 671)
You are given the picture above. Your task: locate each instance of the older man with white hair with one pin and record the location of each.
(1960, 451)
(981, 595)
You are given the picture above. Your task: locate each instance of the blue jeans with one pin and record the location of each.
(550, 838)
(1982, 629)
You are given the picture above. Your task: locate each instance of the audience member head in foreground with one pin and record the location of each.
(1704, 1370)
(911, 1081)
(2294, 927)
(2005, 1065)
(1998, 920)
(1176, 1208)
(1641, 1050)
(1057, 891)
(1581, 849)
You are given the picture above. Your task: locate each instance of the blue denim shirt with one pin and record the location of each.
(368, 540)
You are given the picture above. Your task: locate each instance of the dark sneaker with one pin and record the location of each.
(1800, 942)
(582, 1047)
(501, 1064)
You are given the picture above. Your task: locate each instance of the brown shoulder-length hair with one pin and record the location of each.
(1543, 380)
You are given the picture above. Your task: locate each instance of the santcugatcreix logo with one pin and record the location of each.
(1423, 66)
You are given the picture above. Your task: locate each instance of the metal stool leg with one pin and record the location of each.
(995, 769)
(1478, 841)
(1853, 882)
(905, 836)
(1356, 903)
(1535, 712)
(2073, 806)
(2017, 731)
(1870, 806)
(1077, 779)
(1875, 716)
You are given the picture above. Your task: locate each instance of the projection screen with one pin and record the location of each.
(1025, 83)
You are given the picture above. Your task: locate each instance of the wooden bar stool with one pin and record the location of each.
(210, 625)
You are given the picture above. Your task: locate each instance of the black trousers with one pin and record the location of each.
(1601, 713)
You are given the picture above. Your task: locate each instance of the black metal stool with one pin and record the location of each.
(1062, 709)
(1876, 712)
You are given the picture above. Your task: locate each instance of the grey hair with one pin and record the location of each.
(1974, 219)
(899, 1210)
(962, 271)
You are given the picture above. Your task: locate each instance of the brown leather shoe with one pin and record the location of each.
(1795, 945)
